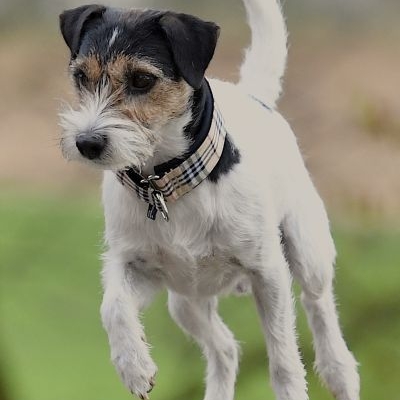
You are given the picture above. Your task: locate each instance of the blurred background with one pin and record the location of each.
(341, 97)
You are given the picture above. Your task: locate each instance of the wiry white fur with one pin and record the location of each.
(265, 60)
(171, 142)
(221, 236)
(129, 142)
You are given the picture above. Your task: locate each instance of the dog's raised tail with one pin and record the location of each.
(265, 59)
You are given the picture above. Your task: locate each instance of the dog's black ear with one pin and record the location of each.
(192, 42)
(75, 23)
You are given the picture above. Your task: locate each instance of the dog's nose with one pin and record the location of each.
(91, 145)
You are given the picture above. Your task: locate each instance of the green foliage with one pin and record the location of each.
(55, 347)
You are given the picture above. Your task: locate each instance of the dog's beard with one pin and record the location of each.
(129, 143)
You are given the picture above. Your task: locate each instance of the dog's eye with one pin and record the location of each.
(80, 77)
(139, 82)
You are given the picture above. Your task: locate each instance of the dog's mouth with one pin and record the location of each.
(104, 138)
(105, 158)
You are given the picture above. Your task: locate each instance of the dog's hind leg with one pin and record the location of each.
(271, 284)
(311, 254)
(199, 318)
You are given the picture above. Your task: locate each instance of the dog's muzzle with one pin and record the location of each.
(91, 145)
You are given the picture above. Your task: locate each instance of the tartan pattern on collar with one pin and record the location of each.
(182, 179)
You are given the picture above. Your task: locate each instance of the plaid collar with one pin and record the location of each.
(177, 177)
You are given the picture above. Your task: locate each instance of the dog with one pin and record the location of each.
(205, 193)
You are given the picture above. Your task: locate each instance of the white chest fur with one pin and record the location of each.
(197, 252)
(206, 276)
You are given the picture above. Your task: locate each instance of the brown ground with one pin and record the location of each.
(341, 98)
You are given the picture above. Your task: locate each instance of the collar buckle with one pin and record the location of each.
(150, 181)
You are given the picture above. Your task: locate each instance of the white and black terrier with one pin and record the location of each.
(205, 193)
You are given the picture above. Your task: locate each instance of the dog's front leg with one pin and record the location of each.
(128, 287)
(271, 284)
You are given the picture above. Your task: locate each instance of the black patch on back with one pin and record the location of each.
(229, 158)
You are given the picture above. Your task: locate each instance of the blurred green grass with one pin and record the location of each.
(53, 346)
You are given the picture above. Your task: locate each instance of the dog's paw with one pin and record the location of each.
(137, 374)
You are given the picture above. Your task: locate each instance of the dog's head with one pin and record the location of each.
(136, 73)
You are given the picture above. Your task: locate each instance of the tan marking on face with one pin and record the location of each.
(168, 99)
(117, 70)
(91, 67)
(119, 67)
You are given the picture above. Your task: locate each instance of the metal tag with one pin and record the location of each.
(164, 209)
(157, 195)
